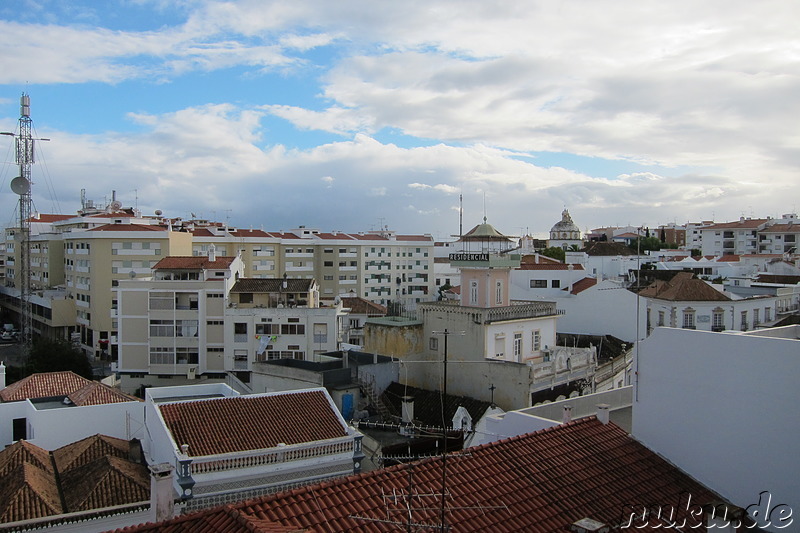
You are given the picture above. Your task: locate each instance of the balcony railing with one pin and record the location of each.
(221, 463)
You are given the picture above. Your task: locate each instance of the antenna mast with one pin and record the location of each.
(21, 185)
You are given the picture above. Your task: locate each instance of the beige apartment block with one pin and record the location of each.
(97, 259)
(380, 266)
(171, 325)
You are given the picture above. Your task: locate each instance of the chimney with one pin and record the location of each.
(408, 409)
(162, 497)
(602, 412)
(2, 376)
(212, 253)
(567, 416)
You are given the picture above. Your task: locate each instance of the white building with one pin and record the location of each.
(227, 447)
(712, 402)
(691, 303)
(565, 234)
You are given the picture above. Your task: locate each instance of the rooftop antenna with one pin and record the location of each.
(460, 214)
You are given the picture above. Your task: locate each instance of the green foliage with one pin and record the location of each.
(50, 355)
(554, 252)
(646, 243)
(696, 252)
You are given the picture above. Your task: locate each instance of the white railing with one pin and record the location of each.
(221, 463)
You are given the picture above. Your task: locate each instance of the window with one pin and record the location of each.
(499, 292)
(688, 319)
(499, 345)
(756, 320)
(661, 318)
(517, 344)
(320, 333)
(327, 263)
(186, 328)
(718, 320)
(19, 429)
(162, 328)
(161, 356)
(744, 321)
(555, 284)
(538, 284)
(767, 314)
(433, 344)
(240, 328)
(246, 298)
(536, 341)
(473, 292)
(293, 329)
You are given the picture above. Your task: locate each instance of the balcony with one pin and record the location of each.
(298, 452)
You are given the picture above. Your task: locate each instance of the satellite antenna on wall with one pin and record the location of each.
(132, 274)
(116, 205)
(158, 212)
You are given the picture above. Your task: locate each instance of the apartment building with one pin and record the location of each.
(381, 266)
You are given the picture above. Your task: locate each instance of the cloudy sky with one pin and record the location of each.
(350, 115)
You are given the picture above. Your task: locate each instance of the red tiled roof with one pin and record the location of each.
(540, 482)
(272, 285)
(748, 223)
(250, 233)
(95, 393)
(89, 449)
(549, 266)
(223, 425)
(683, 287)
(105, 482)
(128, 227)
(115, 214)
(362, 306)
(329, 236)
(581, 285)
(43, 385)
(28, 492)
(728, 258)
(782, 228)
(43, 217)
(193, 262)
(23, 452)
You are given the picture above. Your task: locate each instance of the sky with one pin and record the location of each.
(356, 115)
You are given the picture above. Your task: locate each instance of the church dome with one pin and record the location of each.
(565, 228)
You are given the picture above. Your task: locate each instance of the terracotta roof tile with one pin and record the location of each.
(540, 482)
(683, 287)
(605, 248)
(748, 223)
(23, 452)
(127, 227)
(43, 385)
(549, 266)
(782, 228)
(44, 217)
(193, 262)
(265, 285)
(223, 425)
(89, 449)
(581, 285)
(105, 482)
(362, 306)
(96, 393)
(728, 258)
(28, 492)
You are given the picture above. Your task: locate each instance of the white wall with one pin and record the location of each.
(53, 428)
(607, 308)
(723, 408)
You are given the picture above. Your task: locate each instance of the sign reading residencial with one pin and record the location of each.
(469, 257)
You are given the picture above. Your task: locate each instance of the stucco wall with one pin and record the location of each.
(723, 408)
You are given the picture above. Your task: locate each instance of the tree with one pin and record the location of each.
(50, 355)
(555, 252)
(646, 243)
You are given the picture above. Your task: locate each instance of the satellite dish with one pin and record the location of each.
(132, 274)
(20, 185)
(158, 212)
(116, 205)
